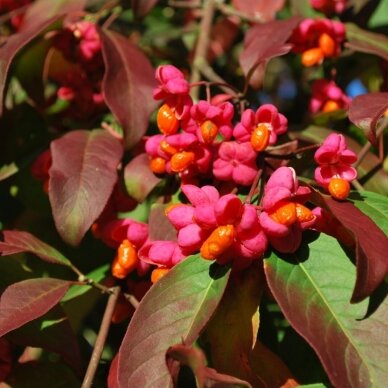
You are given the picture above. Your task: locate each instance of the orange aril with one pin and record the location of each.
(260, 137)
(330, 106)
(127, 256)
(167, 148)
(284, 213)
(327, 44)
(218, 242)
(181, 160)
(303, 214)
(209, 131)
(312, 57)
(339, 188)
(158, 165)
(158, 273)
(117, 270)
(166, 120)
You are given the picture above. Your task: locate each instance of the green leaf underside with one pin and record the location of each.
(313, 287)
(375, 206)
(176, 308)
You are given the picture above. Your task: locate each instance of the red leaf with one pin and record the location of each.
(139, 179)
(81, 185)
(265, 41)
(41, 10)
(365, 111)
(113, 379)
(371, 245)
(159, 226)
(15, 241)
(263, 9)
(53, 333)
(142, 7)
(11, 46)
(127, 85)
(29, 299)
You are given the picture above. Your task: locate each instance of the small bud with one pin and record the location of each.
(312, 57)
(260, 137)
(339, 188)
(330, 106)
(166, 120)
(327, 45)
(181, 160)
(158, 165)
(209, 131)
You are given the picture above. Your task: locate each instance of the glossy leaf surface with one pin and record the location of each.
(176, 308)
(139, 179)
(15, 241)
(80, 186)
(313, 287)
(127, 85)
(29, 299)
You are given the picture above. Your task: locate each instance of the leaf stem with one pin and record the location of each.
(101, 338)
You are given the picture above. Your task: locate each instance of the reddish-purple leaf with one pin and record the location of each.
(82, 177)
(12, 45)
(142, 7)
(313, 287)
(53, 333)
(160, 228)
(371, 244)
(29, 299)
(41, 10)
(139, 179)
(263, 9)
(366, 41)
(113, 381)
(365, 111)
(127, 85)
(15, 241)
(175, 309)
(265, 41)
(196, 360)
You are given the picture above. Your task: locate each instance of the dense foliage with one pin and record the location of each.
(193, 193)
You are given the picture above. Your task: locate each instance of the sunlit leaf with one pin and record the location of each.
(127, 85)
(176, 308)
(15, 241)
(29, 299)
(313, 287)
(8, 170)
(265, 10)
(81, 185)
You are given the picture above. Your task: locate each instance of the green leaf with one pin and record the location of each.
(313, 286)
(373, 205)
(366, 41)
(8, 170)
(175, 309)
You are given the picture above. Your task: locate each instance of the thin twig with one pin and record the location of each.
(254, 185)
(132, 300)
(231, 11)
(202, 44)
(184, 4)
(291, 155)
(357, 185)
(101, 338)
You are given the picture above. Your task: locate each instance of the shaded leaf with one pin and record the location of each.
(271, 370)
(8, 170)
(29, 299)
(51, 332)
(127, 85)
(142, 7)
(366, 41)
(374, 206)
(138, 178)
(312, 287)
(370, 243)
(15, 241)
(365, 111)
(12, 45)
(80, 186)
(237, 320)
(265, 41)
(195, 359)
(41, 10)
(176, 308)
(113, 381)
(160, 228)
(263, 9)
